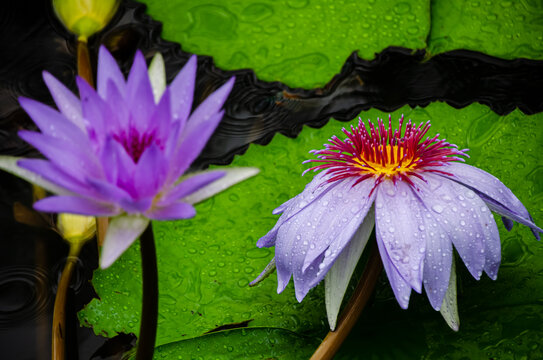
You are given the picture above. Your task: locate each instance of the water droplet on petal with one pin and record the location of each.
(437, 208)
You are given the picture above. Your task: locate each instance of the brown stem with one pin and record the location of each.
(332, 342)
(58, 343)
(101, 228)
(84, 68)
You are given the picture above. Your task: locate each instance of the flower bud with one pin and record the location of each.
(84, 18)
(76, 228)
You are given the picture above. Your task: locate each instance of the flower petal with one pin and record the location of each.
(458, 211)
(503, 200)
(157, 76)
(52, 173)
(68, 104)
(312, 192)
(108, 70)
(121, 233)
(399, 225)
(140, 93)
(232, 177)
(53, 123)
(151, 171)
(173, 211)
(71, 159)
(401, 289)
(75, 205)
(10, 164)
(334, 222)
(190, 185)
(182, 89)
(339, 276)
(192, 146)
(449, 308)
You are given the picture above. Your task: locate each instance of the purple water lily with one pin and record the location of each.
(120, 151)
(423, 201)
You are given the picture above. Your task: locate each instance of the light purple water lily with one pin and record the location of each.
(423, 201)
(120, 151)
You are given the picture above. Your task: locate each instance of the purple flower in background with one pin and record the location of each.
(120, 151)
(422, 200)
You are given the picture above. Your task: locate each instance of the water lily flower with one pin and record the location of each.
(423, 201)
(120, 151)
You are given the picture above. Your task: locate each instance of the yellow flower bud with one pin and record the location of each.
(76, 228)
(85, 17)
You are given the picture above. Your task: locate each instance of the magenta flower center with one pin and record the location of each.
(135, 143)
(385, 154)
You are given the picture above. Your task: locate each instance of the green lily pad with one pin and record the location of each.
(259, 343)
(506, 29)
(206, 263)
(266, 36)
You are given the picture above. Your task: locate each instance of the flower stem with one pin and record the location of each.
(84, 68)
(58, 343)
(149, 310)
(332, 342)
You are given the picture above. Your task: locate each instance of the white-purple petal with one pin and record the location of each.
(399, 226)
(151, 171)
(121, 233)
(157, 76)
(449, 307)
(338, 277)
(493, 189)
(401, 289)
(139, 93)
(312, 192)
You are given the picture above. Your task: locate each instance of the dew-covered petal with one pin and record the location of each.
(182, 89)
(399, 225)
(508, 215)
(449, 308)
(75, 205)
(283, 250)
(160, 123)
(313, 191)
(401, 289)
(458, 211)
(157, 76)
(337, 279)
(503, 200)
(71, 159)
(139, 93)
(121, 233)
(191, 184)
(108, 70)
(232, 176)
(53, 123)
(10, 164)
(334, 215)
(68, 104)
(173, 211)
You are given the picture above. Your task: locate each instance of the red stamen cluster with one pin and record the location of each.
(382, 153)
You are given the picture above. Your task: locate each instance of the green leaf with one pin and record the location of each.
(266, 36)
(506, 29)
(261, 343)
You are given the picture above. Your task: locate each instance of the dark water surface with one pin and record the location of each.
(31, 40)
